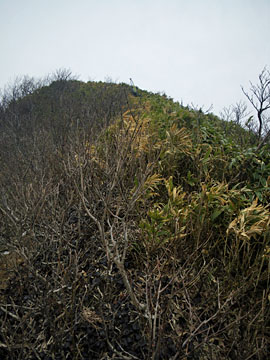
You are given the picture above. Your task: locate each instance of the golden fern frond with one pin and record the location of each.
(252, 221)
(153, 181)
(178, 139)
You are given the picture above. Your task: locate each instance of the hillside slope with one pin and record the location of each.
(131, 227)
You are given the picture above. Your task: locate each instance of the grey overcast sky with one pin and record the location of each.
(197, 51)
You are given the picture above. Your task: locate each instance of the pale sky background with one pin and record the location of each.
(196, 51)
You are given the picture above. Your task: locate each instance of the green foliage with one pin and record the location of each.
(165, 222)
(253, 168)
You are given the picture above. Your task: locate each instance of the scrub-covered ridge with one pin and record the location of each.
(131, 227)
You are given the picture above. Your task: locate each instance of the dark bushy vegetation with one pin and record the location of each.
(131, 227)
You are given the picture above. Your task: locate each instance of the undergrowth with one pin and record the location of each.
(145, 238)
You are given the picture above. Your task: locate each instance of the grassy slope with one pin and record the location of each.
(145, 237)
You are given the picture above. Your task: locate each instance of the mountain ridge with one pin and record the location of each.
(135, 228)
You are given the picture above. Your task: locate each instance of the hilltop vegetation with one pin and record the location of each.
(132, 227)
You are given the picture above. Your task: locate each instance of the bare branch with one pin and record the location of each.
(259, 97)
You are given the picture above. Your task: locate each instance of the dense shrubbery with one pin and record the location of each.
(136, 228)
